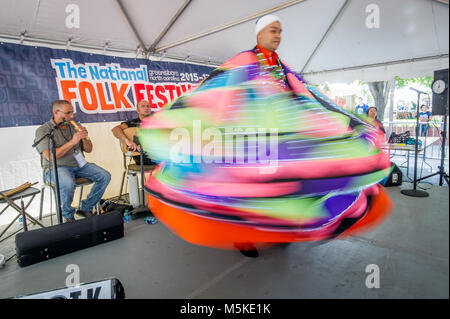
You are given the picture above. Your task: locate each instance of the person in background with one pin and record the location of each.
(424, 119)
(361, 108)
(372, 113)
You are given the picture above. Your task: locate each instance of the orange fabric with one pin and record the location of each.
(212, 233)
(380, 209)
(271, 57)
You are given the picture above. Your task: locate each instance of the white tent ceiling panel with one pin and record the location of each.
(212, 46)
(441, 25)
(300, 35)
(203, 15)
(150, 17)
(407, 30)
(303, 27)
(100, 21)
(16, 16)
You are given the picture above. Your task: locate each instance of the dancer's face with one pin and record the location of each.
(270, 37)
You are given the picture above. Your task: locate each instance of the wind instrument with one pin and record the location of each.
(77, 127)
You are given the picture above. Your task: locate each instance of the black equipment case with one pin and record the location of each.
(40, 244)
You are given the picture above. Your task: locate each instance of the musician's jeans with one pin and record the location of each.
(67, 175)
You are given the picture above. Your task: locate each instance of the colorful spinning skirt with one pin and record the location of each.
(247, 157)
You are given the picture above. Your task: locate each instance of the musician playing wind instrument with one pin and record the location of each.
(71, 140)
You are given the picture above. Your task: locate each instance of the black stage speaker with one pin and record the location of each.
(41, 244)
(440, 101)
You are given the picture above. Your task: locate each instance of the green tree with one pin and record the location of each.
(380, 93)
(425, 81)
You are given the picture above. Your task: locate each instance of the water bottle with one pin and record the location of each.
(126, 216)
(150, 220)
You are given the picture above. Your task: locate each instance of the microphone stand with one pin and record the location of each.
(442, 174)
(415, 192)
(55, 169)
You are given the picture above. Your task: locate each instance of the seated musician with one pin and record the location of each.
(143, 110)
(70, 143)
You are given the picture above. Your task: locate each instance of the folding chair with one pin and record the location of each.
(79, 182)
(27, 191)
(127, 154)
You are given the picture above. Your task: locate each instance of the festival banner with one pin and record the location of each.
(101, 88)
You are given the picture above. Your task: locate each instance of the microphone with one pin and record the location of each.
(418, 91)
(63, 122)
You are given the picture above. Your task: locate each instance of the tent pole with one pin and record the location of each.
(325, 35)
(131, 24)
(442, 1)
(391, 107)
(169, 25)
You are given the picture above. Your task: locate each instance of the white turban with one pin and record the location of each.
(264, 21)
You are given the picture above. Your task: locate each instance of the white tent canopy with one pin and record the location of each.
(326, 40)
